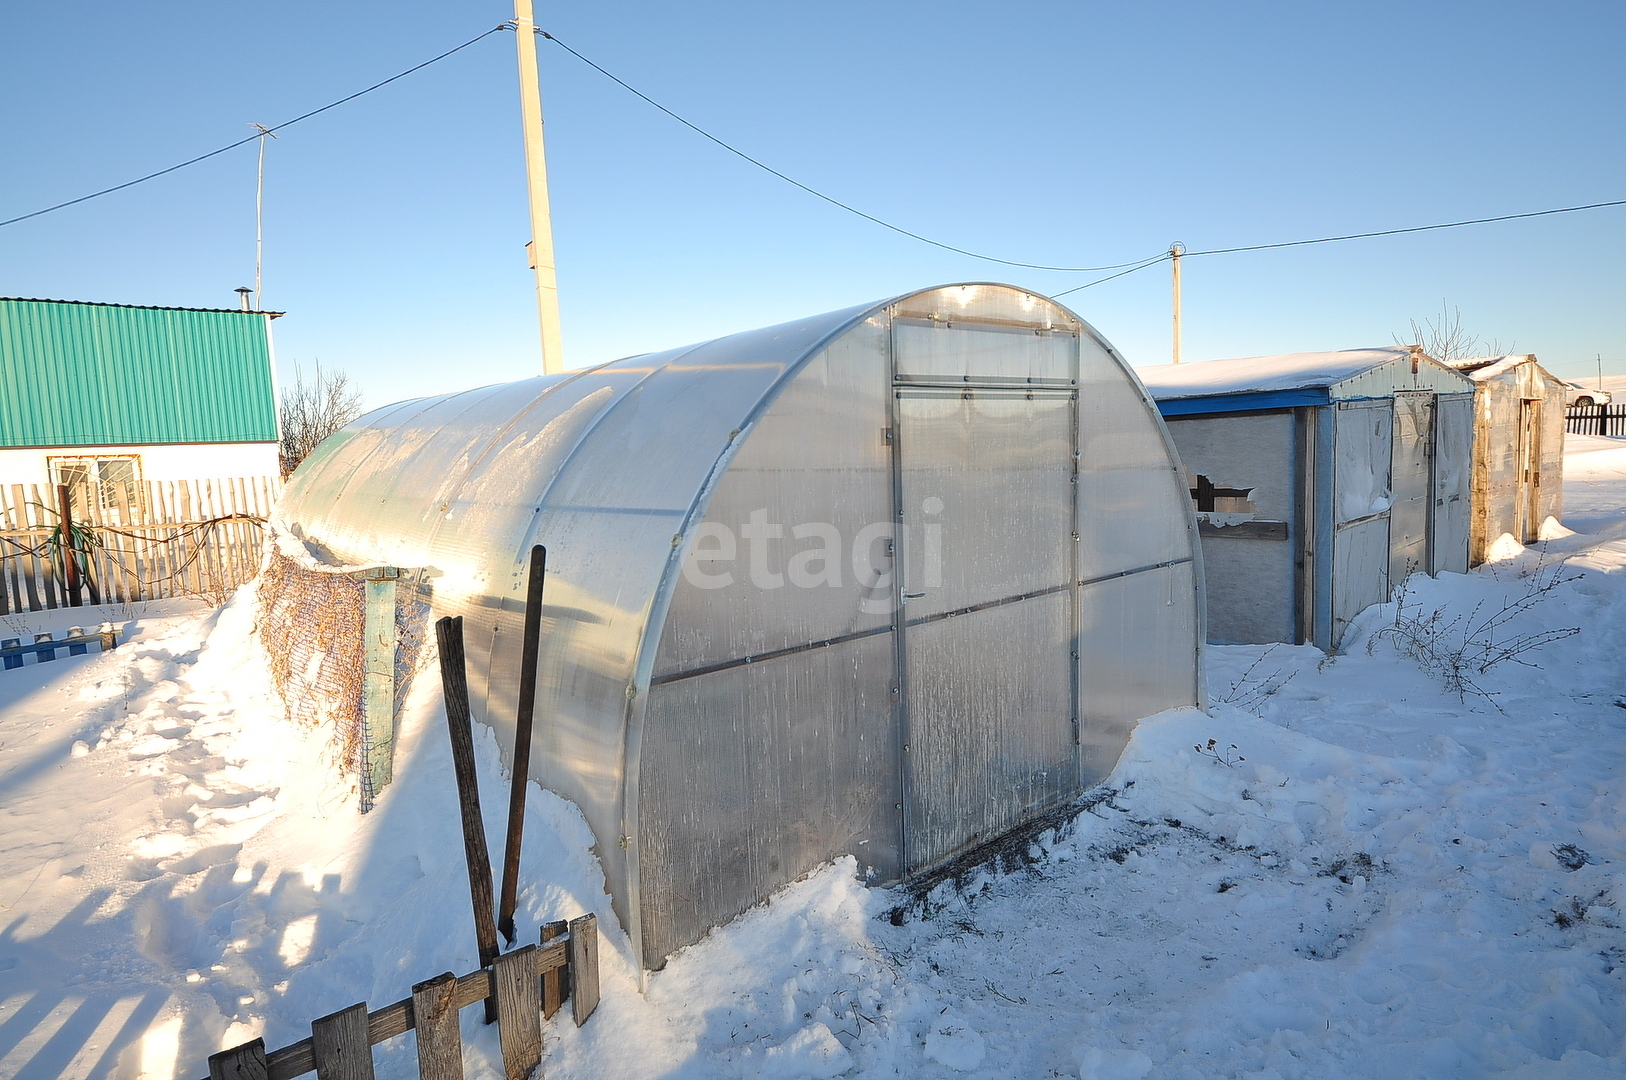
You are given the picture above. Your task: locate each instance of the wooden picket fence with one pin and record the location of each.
(130, 541)
(520, 988)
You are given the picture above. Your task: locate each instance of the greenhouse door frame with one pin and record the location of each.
(982, 755)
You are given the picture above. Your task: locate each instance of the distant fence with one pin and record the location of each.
(1596, 420)
(62, 545)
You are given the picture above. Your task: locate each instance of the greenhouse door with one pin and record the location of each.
(986, 488)
(1411, 484)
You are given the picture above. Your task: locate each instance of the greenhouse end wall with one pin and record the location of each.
(778, 628)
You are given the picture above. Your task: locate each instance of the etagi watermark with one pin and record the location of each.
(823, 561)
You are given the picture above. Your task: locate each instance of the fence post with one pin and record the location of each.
(70, 553)
(378, 682)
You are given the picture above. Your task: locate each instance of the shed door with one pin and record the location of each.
(986, 488)
(1412, 484)
(1453, 463)
(1529, 501)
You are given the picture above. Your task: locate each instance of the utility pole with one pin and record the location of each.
(1175, 251)
(259, 217)
(1600, 373)
(536, 173)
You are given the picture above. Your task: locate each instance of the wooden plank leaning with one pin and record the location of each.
(440, 1040)
(454, 683)
(521, 776)
(341, 1045)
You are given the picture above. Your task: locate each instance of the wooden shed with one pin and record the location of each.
(1518, 479)
(1319, 480)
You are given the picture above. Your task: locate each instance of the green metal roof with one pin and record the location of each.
(80, 374)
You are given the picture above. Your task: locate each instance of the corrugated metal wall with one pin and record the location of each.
(102, 375)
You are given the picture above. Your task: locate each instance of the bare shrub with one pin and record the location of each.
(311, 412)
(1458, 648)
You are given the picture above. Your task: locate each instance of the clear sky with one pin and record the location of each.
(1078, 133)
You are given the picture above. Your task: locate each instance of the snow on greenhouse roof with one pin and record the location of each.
(1263, 374)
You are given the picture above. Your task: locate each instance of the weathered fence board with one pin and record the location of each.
(440, 1040)
(519, 1012)
(246, 1062)
(583, 966)
(341, 1044)
(134, 540)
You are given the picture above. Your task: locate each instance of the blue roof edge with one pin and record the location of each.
(1228, 403)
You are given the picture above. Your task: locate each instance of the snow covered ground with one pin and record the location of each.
(1365, 876)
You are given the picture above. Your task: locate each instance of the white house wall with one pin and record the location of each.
(188, 461)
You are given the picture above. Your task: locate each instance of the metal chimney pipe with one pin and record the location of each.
(243, 292)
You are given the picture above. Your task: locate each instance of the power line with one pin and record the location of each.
(1153, 261)
(812, 191)
(256, 135)
(1413, 229)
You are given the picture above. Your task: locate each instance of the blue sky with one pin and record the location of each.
(1073, 133)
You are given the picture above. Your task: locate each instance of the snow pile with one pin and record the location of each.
(1341, 870)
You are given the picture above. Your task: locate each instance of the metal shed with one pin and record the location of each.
(1518, 479)
(889, 581)
(1319, 479)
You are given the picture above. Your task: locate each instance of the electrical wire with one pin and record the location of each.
(1413, 229)
(813, 191)
(1164, 257)
(256, 135)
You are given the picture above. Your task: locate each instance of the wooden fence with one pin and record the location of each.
(1596, 420)
(522, 988)
(129, 541)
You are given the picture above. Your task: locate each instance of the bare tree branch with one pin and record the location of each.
(313, 411)
(1445, 340)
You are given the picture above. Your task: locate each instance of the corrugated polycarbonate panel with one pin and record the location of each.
(791, 550)
(970, 353)
(1138, 653)
(756, 774)
(987, 495)
(1411, 484)
(1133, 503)
(1453, 471)
(990, 724)
(104, 375)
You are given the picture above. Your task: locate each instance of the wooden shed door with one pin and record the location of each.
(986, 489)
(1529, 500)
(1411, 485)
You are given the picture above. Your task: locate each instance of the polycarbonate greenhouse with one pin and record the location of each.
(889, 582)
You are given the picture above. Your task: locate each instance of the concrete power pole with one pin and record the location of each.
(536, 173)
(1175, 251)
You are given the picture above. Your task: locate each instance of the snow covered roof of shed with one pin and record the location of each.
(1480, 368)
(1292, 379)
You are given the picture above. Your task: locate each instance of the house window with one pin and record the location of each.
(102, 478)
